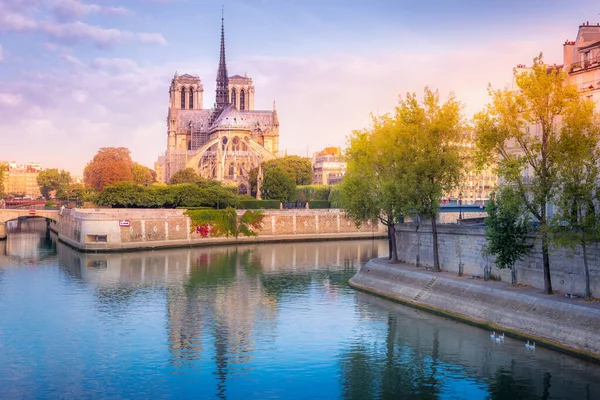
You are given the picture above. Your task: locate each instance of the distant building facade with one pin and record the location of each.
(581, 62)
(224, 142)
(21, 180)
(475, 185)
(328, 166)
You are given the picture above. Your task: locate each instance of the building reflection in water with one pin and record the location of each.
(29, 239)
(221, 302)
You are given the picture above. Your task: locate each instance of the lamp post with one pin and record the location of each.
(460, 208)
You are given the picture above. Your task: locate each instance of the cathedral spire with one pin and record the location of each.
(222, 97)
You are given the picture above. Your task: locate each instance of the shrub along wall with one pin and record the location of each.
(319, 204)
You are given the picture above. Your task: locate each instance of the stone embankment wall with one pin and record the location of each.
(122, 229)
(557, 324)
(463, 247)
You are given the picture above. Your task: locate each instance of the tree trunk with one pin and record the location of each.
(436, 257)
(513, 276)
(588, 294)
(394, 243)
(546, 260)
(390, 245)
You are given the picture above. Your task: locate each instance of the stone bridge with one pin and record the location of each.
(7, 215)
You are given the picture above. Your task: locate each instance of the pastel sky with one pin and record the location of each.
(79, 75)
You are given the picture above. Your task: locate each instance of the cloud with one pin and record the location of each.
(151, 38)
(1, 54)
(107, 102)
(72, 60)
(68, 28)
(11, 21)
(70, 10)
(9, 100)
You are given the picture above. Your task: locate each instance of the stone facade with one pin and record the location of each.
(463, 248)
(222, 143)
(123, 229)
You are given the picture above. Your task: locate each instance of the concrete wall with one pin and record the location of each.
(99, 229)
(465, 245)
(557, 324)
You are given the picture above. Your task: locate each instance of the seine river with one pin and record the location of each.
(248, 322)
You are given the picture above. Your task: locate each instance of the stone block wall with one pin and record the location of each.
(101, 229)
(466, 245)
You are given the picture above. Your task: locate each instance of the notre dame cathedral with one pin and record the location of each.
(221, 143)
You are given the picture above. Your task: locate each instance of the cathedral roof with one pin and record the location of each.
(231, 117)
(239, 77)
(198, 118)
(188, 76)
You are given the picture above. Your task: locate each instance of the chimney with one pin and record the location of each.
(568, 54)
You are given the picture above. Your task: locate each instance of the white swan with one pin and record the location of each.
(501, 336)
(530, 346)
(493, 335)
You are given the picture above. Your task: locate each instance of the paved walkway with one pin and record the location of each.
(525, 290)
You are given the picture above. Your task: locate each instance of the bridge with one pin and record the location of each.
(10, 214)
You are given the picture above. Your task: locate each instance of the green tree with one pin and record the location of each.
(186, 175)
(433, 154)
(51, 179)
(506, 230)
(299, 169)
(277, 185)
(577, 218)
(109, 166)
(122, 195)
(522, 129)
(3, 175)
(142, 175)
(76, 192)
(373, 187)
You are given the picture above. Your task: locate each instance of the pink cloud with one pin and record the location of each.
(19, 17)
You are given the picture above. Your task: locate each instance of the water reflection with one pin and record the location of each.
(29, 239)
(425, 356)
(254, 321)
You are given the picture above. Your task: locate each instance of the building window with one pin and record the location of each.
(191, 105)
(96, 239)
(231, 169)
(234, 97)
(182, 98)
(242, 99)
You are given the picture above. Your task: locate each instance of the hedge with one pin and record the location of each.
(312, 192)
(259, 204)
(319, 204)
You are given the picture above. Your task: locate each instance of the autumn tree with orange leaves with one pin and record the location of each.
(110, 165)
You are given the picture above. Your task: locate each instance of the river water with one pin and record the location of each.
(243, 322)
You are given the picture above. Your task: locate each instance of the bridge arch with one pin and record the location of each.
(8, 214)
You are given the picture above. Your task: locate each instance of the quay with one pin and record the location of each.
(569, 325)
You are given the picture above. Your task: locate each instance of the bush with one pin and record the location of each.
(335, 198)
(319, 204)
(259, 205)
(277, 185)
(50, 204)
(129, 195)
(312, 192)
(225, 222)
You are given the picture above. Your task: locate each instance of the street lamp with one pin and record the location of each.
(459, 208)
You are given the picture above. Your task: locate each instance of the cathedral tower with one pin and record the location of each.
(222, 98)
